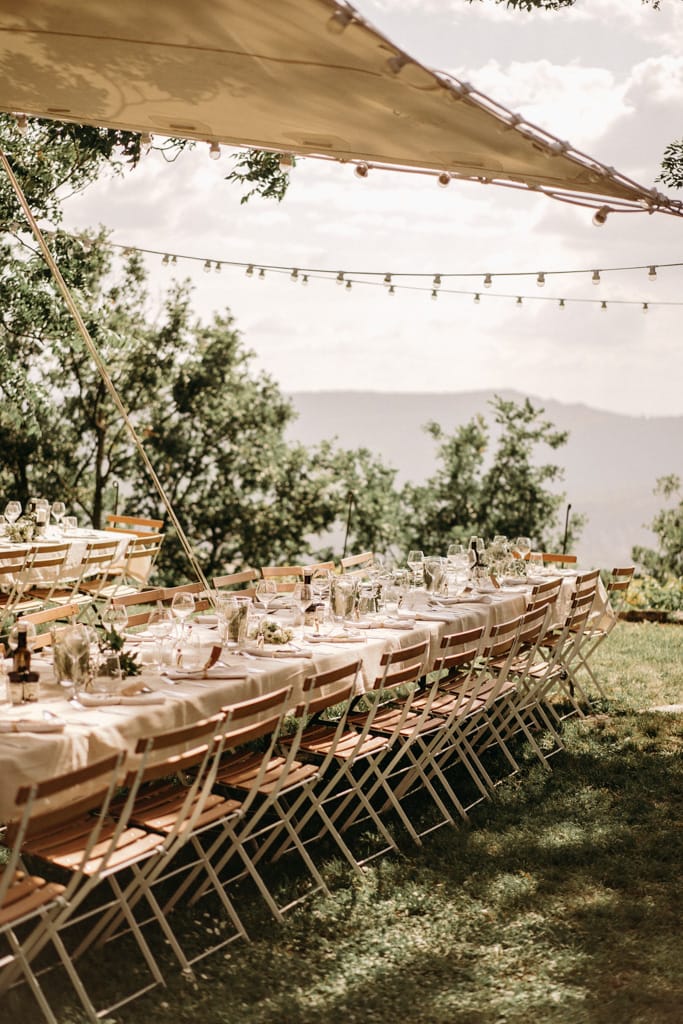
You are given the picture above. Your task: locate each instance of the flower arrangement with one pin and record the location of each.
(111, 642)
(22, 530)
(271, 632)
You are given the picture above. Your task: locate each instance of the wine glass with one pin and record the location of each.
(266, 592)
(415, 561)
(303, 596)
(523, 547)
(58, 512)
(115, 617)
(182, 606)
(455, 553)
(12, 511)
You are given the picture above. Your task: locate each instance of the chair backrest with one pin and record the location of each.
(402, 666)
(457, 649)
(201, 601)
(323, 690)
(236, 579)
(357, 563)
(139, 605)
(45, 568)
(319, 567)
(618, 583)
(58, 613)
(134, 524)
(544, 594)
(140, 557)
(550, 558)
(283, 572)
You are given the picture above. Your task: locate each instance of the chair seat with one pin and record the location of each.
(388, 720)
(157, 810)
(319, 740)
(66, 846)
(241, 771)
(25, 895)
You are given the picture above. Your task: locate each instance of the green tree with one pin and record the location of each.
(513, 496)
(667, 560)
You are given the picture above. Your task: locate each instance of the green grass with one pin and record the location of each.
(560, 905)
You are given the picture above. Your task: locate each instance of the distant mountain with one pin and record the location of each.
(611, 461)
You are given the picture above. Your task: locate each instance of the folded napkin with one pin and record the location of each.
(97, 700)
(473, 599)
(389, 624)
(275, 652)
(429, 616)
(206, 619)
(215, 672)
(33, 725)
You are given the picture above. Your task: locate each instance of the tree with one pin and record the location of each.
(668, 526)
(510, 497)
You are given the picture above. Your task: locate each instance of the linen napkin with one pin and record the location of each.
(336, 639)
(33, 725)
(430, 616)
(98, 700)
(275, 652)
(389, 624)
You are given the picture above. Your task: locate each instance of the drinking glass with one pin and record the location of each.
(415, 561)
(535, 563)
(70, 523)
(523, 546)
(433, 569)
(12, 511)
(182, 606)
(266, 592)
(58, 511)
(342, 598)
(303, 596)
(107, 675)
(115, 617)
(455, 553)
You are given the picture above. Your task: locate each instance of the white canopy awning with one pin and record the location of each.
(309, 77)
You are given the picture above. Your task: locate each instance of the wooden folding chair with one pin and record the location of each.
(235, 581)
(596, 632)
(12, 562)
(45, 578)
(544, 594)
(555, 558)
(51, 617)
(357, 564)
(139, 605)
(131, 573)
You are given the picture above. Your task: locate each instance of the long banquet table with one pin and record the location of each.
(93, 732)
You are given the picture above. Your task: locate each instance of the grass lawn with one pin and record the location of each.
(560, 905)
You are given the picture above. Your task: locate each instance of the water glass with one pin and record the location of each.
(107, 676)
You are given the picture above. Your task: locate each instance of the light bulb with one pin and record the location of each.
(261, 274)
(540, 280)
(392, 290)
(487, 281)
(387, 278)
(146, 139)
(338, 22)
(519, 301)
(214, 151)
(603, 305)
(437, 280)
(645, 307)
(294, 275)
(217, 267)
(304, 279)
(286, 162)
(561, 304)
(600, 216)
(340, 277)
(596, 277)
(207, 266)
(348, 286)
(444, 179)
(477, 298)
(361, 170)
(250, 270)
(165, 259)
(435, 294)
(652, 274)
(174, 260)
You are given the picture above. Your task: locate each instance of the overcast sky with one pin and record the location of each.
(606, 75)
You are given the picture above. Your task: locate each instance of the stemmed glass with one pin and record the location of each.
(303, 596)
(12, 511)
(415, 561)
(115, 617)
(522, 546)
(58, 512)
(266, 592)
(182, 607)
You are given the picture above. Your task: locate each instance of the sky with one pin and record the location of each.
(607, 75)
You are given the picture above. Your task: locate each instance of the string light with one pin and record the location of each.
(477, 298)
(603, 305)
(519, 301)
(437, 280)
(339, 21)
(166, 259)
(387, 278)
(304, 279)
(214, 151)
(361, 170)
(645, 307)
(488, 281)
(652, 274)
(444, 179)
(207, 266)
(435, 294)
(596, 277)
(294, 275)
(174, 260)
(250, 270)
(540, 280)
(600, 216)
(217, 267)
(392, 290)
(348, 286)
(146, 139)
(286, 162)
(340, 277)
(261, 274)
(561, 304)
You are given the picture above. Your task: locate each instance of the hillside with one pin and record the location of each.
(611, 461)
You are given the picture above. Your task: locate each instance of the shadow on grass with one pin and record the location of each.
(559, 905)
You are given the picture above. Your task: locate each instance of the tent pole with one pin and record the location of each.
(99, 362)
